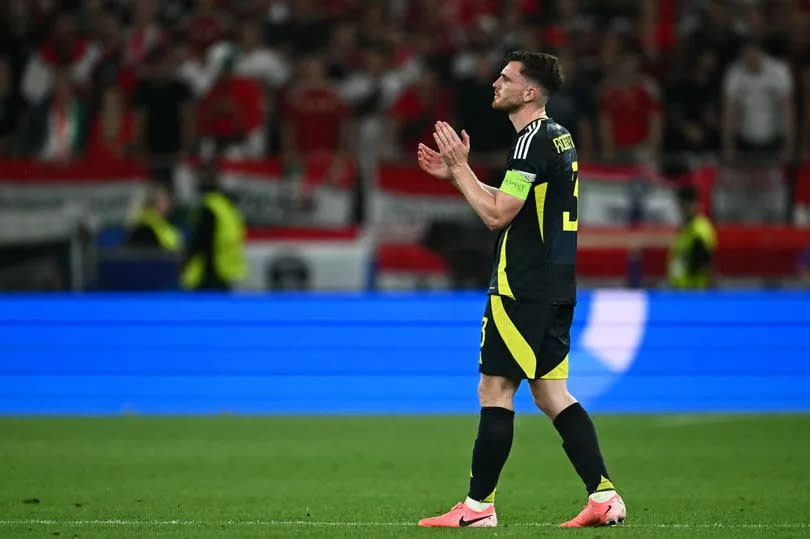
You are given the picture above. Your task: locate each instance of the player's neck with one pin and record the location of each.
(524, 116)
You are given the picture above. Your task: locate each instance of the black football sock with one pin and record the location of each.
(582, 447)
(495, 429)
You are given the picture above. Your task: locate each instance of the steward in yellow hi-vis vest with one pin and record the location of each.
(215, 258)
(692, 253)
(151, 229)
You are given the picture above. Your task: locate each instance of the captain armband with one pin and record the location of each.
(517, 183)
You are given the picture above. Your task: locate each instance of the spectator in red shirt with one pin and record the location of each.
(145, 35)
(232, 113)
(417, 110)
(111, 68)
(315, 120)
(64, 48)
(112, 133)
(629, 113)
(656, 29)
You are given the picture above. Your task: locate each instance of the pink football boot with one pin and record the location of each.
(461, 516)
(609, 513)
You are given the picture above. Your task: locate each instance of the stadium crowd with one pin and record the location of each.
(669, 82)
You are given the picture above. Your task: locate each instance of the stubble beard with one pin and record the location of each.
(504, 106)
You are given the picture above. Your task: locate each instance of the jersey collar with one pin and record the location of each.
(531, 124)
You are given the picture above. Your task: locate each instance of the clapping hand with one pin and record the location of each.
(431, 162)
(453, 150)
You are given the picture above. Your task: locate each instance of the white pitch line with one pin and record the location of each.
(316, 523)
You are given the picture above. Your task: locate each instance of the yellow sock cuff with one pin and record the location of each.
(490, 498)
(604, 484)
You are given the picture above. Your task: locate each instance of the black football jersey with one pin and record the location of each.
(535, 255)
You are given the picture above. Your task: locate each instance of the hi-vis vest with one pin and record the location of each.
(167, 235)
(228, 255)
(679, 277)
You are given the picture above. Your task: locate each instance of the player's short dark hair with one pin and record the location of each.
(542, 68)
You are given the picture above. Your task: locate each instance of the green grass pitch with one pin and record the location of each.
(233, 476)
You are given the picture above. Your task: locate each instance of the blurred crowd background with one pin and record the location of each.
(247, 75)
(710, 93)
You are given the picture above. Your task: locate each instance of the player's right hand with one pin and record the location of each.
(431, 162)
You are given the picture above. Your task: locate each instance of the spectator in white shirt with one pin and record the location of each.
(758, 111)
(758, 138)
(257, 61)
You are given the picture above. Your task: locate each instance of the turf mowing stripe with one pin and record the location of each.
(791, 525)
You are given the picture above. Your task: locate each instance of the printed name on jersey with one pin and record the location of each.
(525, 140)
(563, 143)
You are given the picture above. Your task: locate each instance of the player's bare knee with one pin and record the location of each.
(544, 403)
(550, 399)
(496, 391)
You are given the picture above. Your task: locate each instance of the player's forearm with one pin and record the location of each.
(479, 196)
(488, 188)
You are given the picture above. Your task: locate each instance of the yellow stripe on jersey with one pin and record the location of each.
(540, 203)
(560, 372)
(503, 282)
(514, 341)
(568, 224)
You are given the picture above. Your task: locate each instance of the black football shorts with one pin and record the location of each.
(525, 340)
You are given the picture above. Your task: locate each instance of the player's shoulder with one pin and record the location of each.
(554, 130)
(553, 139)
(540, 141)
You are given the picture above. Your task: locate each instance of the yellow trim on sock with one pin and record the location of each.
(604, 484)
(490, 498)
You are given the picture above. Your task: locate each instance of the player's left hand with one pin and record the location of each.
(453, 150)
